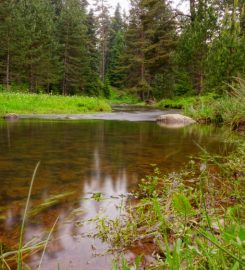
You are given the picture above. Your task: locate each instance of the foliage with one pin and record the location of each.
(106, 88)
(210, 47)
(194, 218)
(149, 41)
(228, 109)
(126, 266)
(72, 34)
(125, 96)
(226, 58)
(116, 47)
(64, 48)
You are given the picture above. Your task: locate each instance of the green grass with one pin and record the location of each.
(21, 103)
(199, 107)
(228, 109)
(194, 218)
(119, 97)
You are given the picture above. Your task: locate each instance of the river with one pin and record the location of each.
(80, 157)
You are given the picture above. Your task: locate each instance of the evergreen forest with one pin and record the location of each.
(154, 51)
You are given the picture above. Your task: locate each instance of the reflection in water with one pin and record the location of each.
(83, 157)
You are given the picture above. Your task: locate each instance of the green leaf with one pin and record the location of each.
(182, 205)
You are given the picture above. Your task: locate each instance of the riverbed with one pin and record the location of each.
(105, 154)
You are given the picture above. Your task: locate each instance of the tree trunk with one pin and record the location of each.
(103, 46)
(64, 83)
(8, 66)
(142, 68)
(192, 10)
(31, 79)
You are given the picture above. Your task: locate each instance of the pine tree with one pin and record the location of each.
(133, 63)
(35, 61)
(116, 48)
(7, 34)
(226, 58)
(103, 19)
(159, 29)
(93, 85)
(149, 45)
(192, 47)
(73, 39)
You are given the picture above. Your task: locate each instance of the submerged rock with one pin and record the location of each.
(174, 120)
(11, 116)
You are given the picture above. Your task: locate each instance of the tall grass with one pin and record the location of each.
(21, 103)
(17, 256)
(228, 109)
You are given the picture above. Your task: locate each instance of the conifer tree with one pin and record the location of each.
(35, 62)
(72, 31)
(134, 54)
(192, 47)
(93, 84)
(159, 29)
(103, 20)
(116, 47)
(226, 58)
(149, 44)
(7, 40)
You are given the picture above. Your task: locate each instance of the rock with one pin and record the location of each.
(174, 120)
(240, 127)
(11, 116)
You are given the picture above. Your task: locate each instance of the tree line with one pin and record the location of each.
(155, 51)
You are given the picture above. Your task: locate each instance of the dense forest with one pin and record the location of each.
(156, 51)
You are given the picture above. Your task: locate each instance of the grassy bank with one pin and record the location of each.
(193, 219)
(123, 97)
(228, 109)
(20, 103)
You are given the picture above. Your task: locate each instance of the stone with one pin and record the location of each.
(11, 116)
(174, 120)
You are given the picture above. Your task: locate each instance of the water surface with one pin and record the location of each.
(81, 157)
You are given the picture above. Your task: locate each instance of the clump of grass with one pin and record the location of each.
(194, 218)
(21, 103)
(228, 109)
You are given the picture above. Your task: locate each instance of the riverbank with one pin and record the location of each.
(228, 109)
(20, 103)
(193, 219)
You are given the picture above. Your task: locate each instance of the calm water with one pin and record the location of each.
(83, 157)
